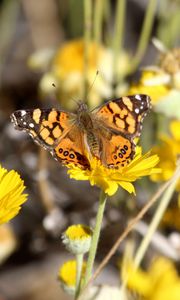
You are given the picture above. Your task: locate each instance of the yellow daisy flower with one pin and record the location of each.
(171, 218)
(11, 197)
(152, 83)
(168, 152)
(67, 72)
(8, 242)
(162, 83)
(67, 275)
(110, 179)
(160, 281)
(77, 238)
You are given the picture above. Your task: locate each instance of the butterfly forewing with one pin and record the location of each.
(125, 114)
(119, 122)
(46, 126)
(55, 131)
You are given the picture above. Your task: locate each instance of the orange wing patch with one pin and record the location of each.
(53, 126)
(125, 114)
(128, 103)
(46, 126)
(36, 115)
(71, 149)
(118, 152)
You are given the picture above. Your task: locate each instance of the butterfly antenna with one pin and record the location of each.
(91, 86)
(56, 95)
(55, 92)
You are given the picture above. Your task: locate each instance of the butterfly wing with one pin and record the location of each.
(117, 151)
(46, 126)
(55, 131)
(125, 115)
(71, 149)
(120, 121)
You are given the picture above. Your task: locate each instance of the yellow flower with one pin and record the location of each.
(162, 83)
(11, 197)
(175, 131)
(168, 152)
(171, 217)
(160, 282)
(78, 232)
(152, 83)
(67, 275)
(67, 69)
(77, 238)
(110, 179)
(8, 242)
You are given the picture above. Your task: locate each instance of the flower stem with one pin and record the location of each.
(128, 229)
(118, 34)
(79, 264)
(95, 237)
(156, 220)
(98, 18)
(145, 34)
(87, 40)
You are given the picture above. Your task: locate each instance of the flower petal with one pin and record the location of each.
(11, 197)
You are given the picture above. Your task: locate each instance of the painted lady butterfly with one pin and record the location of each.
(106, 133)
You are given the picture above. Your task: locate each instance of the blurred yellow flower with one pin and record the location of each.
(110, 179)
(67, 275)
(67, 72)
(171, 218)
(160, 282)
(79, 231)
(77, 238)
(151, 83)
(162, 83)
(168, 152)
(11, 197)
(8, 242)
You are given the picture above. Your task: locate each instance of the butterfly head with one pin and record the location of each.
(82, 107)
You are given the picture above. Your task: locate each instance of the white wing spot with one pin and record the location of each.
(23, 113)
(31, 125)
(136, 110)
(138, 97)
(24, 123)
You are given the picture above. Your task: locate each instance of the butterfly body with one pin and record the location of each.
(106, 133)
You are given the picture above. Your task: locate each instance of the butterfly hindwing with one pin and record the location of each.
(118, 151)
(71, 149)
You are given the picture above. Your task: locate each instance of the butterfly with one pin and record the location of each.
(107, 132)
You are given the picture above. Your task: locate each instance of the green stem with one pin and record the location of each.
(98, 17)
(156, 219)
(95, 237)
(107, 25)
(9, 11)
(145, 34)
(118, 35)
(79, 264)
(87, 41)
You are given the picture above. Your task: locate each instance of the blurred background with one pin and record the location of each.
(43, 47)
